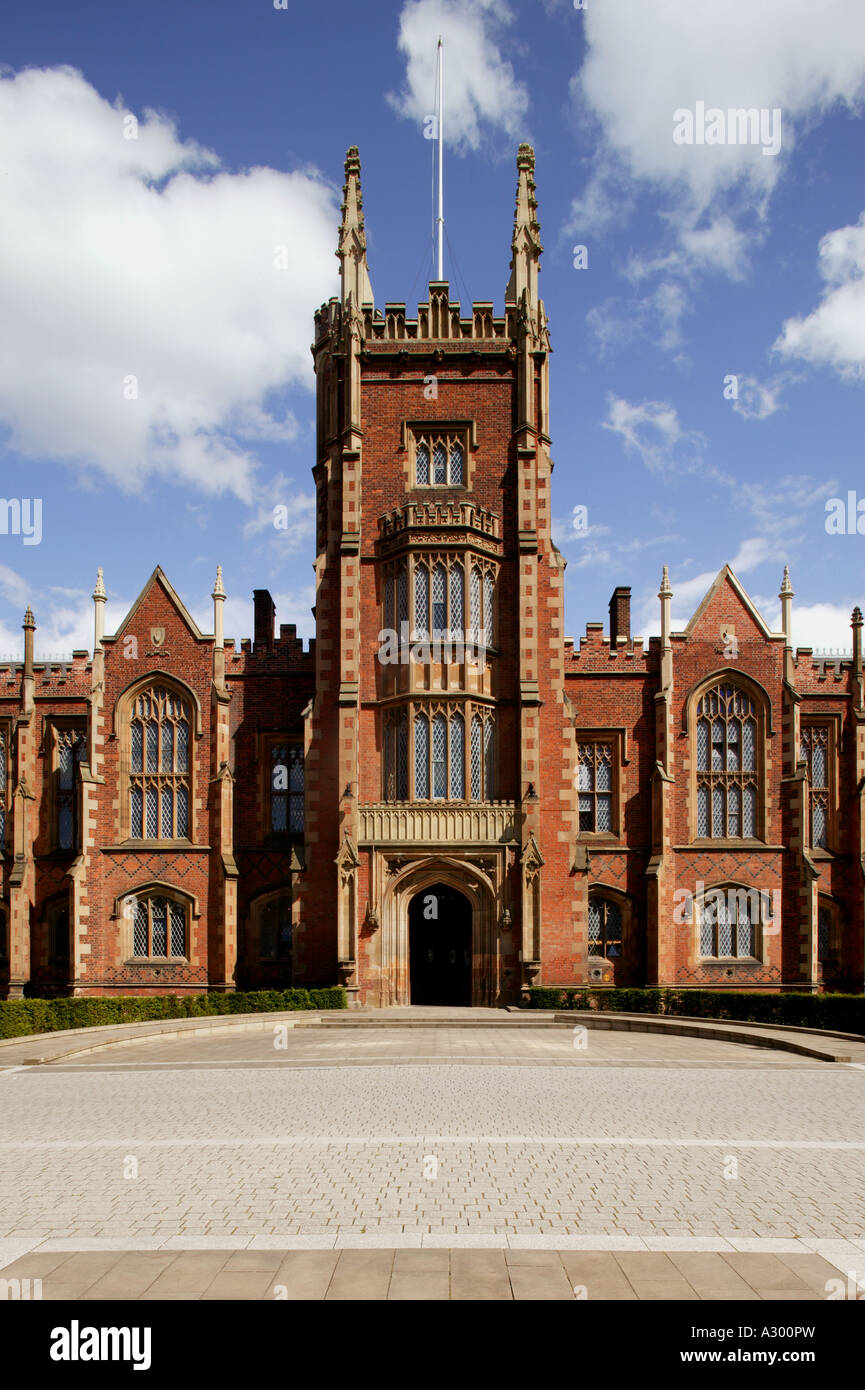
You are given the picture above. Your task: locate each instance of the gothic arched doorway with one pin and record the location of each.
(440, 946)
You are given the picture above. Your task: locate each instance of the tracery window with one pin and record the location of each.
(727, 776)
(439, 460)
(70, 749)
(159, 766)
(595, 773)
(825, 933)
(159, 928)
(605, 927)
(286, 789)
(816, 752)
(729, 922)
(445, 740)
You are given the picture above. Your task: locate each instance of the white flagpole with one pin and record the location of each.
(441, 217)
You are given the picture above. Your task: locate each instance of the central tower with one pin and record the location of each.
(439, 648)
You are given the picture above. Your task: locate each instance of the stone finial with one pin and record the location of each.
(29, 622)
(526, 245)
(218, 587)
(99, 592)
(351, 253)
(786, 586)
(665, 591)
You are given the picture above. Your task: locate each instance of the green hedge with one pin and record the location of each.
(21, 1016)
(842, 1013)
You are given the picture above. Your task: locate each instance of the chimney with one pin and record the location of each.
(620, 615)
(265, 616)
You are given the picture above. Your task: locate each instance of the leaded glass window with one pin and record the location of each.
(728, 924)
(726, 743)
(421, 601)
(71, 750)
(159, 763)
(476, 758)
(595, 786)
(440, 464)
(475, 601)
(489, 759)
(439, 461)
(421, 757)
(457, 737)
(159, 928)
(402, 594)
(439, 601)
(402, 758)
(456, 465)
(815, 753)
(457, 587)
(439, 758)
(286, 789)
(489, 590)
(605, 927)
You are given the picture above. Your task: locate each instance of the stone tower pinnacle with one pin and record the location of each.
(352, 237)
(526, 245)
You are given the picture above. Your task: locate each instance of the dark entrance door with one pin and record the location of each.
(440, 946)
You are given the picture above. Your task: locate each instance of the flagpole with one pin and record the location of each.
(441, 217)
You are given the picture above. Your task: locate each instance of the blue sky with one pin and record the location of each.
(155, 377)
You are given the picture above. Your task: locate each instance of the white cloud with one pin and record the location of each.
(480, 88)
(741, 55)
(296, 520)
(653, 429)
(757, 400)
(833, 334)
(776, 54)
(144, 258)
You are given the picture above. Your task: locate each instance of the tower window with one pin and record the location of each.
(595, 786)
(439, 755)
(439, 460)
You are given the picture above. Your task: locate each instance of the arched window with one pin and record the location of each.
(458, 773)
(457, 585)
(815, 752)
(69, 751)
(421, 757)
(730, 918)
(422, 464)
(421, 601)
(727, 771)
(160, 928)
(605, 927)
(489, 589)
(159, 766)
(439, 758)
(440, 464)
(439, 601)
(456, 464)
(475, 600)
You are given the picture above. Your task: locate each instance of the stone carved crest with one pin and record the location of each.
(157, 636)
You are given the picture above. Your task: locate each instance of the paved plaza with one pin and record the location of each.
(399, 1159)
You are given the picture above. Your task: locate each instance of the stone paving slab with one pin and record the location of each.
(455, 1274)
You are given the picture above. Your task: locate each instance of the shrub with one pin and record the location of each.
(19, 1017)
(841, 1013)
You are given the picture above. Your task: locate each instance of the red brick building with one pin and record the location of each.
(442, 799)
